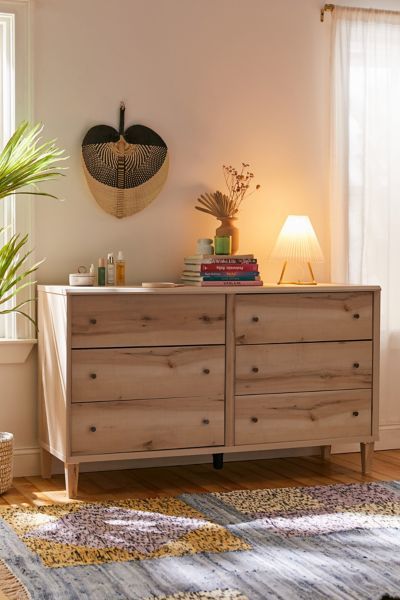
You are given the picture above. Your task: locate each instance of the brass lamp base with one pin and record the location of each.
(312, 282)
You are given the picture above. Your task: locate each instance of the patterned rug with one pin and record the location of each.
(338, 542)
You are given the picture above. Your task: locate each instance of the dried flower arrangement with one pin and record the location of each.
(221, 205)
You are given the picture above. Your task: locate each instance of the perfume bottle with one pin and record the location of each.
(101, 272)
(120, 269)
(110, 269)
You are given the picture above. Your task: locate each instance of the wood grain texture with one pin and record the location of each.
(376, 362)
(288, 417)
(71, 479)
(367, 452)
(159, 360)
(135, 373)
(147, 425)
(191, 479)
(276, 368)
(303, 317)
(53, 372)
(129, 320)
(271, 288)
(230, 372)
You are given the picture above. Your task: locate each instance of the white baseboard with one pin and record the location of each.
(389, 437)
(27, 460)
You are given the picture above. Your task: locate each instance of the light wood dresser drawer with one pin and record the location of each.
(277, 368)
(131, 373)
(134, 373)
(297, 417)
(140, 320)
(279, 318)
(140, 425)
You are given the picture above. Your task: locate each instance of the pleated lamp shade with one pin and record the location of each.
(297, 243)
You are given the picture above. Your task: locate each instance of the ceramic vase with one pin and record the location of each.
(228, 227)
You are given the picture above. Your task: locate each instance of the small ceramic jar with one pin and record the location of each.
(204, 246)
(82, 277)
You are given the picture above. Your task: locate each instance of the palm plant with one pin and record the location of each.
(24, 161)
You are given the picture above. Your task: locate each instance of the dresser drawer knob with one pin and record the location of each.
(93, 321)
(206, 421)
(93, 376)
(255, 369)
(356, 365)
(206, 371)
(355, 413)
(254, 419)
(356, 316)
(256, 319)
(93, 429)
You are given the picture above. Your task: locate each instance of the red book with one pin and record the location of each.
(228, 268)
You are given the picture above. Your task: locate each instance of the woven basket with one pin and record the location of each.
(6, 461)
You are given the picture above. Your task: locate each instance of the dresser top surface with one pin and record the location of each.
(182, 289)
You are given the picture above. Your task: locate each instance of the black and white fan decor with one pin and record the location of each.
(125, 169)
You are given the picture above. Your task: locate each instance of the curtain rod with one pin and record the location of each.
(331, 8)
(326, 8)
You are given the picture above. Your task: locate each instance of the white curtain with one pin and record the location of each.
(365, 173)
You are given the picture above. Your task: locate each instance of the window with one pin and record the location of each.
(15, 102)
(365, 206)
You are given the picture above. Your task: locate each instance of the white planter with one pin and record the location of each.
(6, 461)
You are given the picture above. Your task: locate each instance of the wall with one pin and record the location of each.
(222, 81)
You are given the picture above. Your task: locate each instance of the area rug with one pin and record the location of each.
(339, 542)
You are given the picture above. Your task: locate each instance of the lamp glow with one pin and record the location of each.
(298, 243)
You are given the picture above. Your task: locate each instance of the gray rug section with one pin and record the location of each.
(353, 565)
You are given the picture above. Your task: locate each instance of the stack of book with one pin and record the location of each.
(220, 270)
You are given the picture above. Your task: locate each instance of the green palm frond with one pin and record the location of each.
(24, 161)
(14, 269)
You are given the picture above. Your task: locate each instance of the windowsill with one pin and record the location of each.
(15, 351)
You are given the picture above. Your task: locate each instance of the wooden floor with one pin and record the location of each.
(172, 481)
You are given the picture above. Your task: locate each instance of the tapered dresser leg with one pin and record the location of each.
(71, 479)
(218, 461)
(46, 460)
(367, 451)
(325, 452)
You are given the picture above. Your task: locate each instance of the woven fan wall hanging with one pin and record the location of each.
(125, 169)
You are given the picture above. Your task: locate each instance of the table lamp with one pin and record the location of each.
(297, 243)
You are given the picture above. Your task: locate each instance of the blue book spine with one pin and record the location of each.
(241, 277)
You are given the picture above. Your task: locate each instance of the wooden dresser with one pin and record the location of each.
(137, 373)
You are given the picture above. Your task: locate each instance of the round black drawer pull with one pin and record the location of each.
(355, 413)
(256, 319)
(254, 419)
(356, 316)
(93, 376)
(356, 365)
(206, 371)
(255, 369)
(93, 321)
(206, 421)
(93, 429)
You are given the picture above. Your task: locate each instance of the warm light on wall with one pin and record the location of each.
(298, 243)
